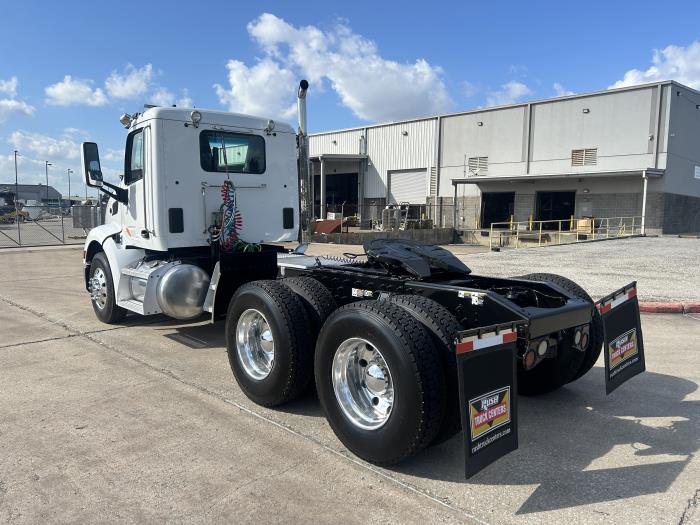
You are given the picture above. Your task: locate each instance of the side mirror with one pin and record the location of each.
(90, 160)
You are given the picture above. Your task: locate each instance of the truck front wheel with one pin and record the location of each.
(380, 381)
(102, 292)
(269, 343)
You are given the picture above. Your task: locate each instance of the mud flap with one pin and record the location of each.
(624, 345)
(486, 367)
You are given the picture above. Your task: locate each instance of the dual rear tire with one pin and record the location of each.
(269, 342)
(379, 366)
(380, 381)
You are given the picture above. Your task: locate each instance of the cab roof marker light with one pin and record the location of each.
(126, 120)
(196, 118)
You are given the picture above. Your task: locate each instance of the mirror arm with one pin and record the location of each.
(120, 194)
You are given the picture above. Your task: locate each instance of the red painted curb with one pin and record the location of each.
(691, 308)
(668, 307)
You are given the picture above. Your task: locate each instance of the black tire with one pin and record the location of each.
(317, 299)
(291, 370)
(110, 313)
(415, 369)
(570, 364)
(442, 327)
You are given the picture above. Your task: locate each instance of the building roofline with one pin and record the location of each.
(510, 106)
(339, 156)
(649, 172)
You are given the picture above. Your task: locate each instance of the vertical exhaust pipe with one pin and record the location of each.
(305, 197)
(301, 106)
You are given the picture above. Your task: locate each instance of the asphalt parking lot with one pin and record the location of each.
(143, 422)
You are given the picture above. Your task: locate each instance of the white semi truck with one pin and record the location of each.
(195, 226)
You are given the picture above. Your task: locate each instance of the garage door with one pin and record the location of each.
(408, 186)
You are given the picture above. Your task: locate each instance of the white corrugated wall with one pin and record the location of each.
(400, 146)
(390, 149)
(346, 143)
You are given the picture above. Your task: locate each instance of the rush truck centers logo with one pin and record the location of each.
(622, 347)
(488, 412)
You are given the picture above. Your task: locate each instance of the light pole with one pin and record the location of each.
(70, 202)
(19, 232)
(47, 164)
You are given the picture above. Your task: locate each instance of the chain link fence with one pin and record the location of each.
(45, 225)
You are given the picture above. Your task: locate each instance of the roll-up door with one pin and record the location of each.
(408, 186)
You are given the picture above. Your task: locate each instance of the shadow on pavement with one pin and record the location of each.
(567, 440)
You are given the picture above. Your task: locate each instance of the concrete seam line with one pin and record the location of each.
(165, 372)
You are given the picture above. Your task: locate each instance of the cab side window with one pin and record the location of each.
(133, 169)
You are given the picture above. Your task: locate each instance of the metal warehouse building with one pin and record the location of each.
(29, 192)
(617, 153)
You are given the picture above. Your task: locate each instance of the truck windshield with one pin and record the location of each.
(232, 152)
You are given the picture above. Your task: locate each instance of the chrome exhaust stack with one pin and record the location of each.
(305, 197)
(301, 107)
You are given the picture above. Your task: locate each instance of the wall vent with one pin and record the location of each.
(584, 157)
(478, 165)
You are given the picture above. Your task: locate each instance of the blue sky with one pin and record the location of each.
(367, 62)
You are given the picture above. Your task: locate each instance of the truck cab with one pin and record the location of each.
(176, 161)
(184, 171)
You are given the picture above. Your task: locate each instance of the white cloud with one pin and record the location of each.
(469, 89)
(185, 99)
(9, 87)
(44, 146)
(372, 87)
(72, 91)
(561, 91)
(131, 84)
(76, 132)
(164, 97)
(62, 152)
(113, 155)
(508, 94)
(263, 89)
(671, 63)
(10, 107)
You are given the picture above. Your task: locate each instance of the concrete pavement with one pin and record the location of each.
(143, 422)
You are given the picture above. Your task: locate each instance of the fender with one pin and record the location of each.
(101, 238)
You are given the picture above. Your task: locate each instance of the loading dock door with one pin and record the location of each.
(555, 206)
(408, 186)
(496, 207)
(340, 188)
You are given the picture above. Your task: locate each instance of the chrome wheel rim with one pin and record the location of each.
(98, 288)
(362, 383)
(255, 345)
